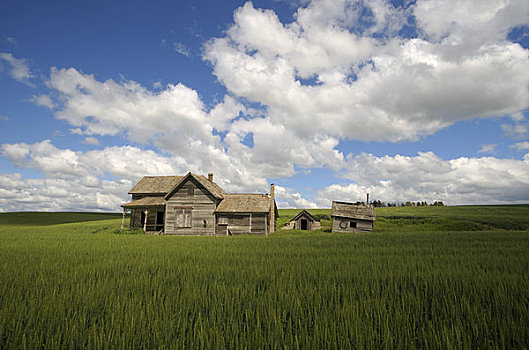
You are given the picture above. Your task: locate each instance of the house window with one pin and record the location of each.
(183, 217)
(352, 224)
(190, 191)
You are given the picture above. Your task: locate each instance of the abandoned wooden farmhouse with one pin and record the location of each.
(195, 205)
(304, 221)
(349, 217)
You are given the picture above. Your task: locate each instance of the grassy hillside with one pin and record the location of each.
(78, 285)
(458, 218)
(52, 218)
(464, 218)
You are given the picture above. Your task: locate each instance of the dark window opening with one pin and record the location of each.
(352, 224)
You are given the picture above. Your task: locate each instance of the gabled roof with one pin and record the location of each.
(244, 203)
(353, 211)
(145, 202)
(305, 213)
(211, 187)
(155, 184)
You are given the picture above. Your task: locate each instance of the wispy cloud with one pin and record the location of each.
(515, 131)
(4, 118)
(181, 49)
(43, 100)
(520, 146)
(91, 141)
(517, 117)
(19, 68)
(488, 149)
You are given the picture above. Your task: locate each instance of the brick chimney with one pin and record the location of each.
(210, 177)
(272, 209)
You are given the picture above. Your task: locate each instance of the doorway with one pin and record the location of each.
(303, 223)
(159, 220)
(142, 219)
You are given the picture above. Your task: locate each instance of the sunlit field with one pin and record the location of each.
(427, 277)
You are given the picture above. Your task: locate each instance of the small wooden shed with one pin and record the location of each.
(349, 217)
(304, 221)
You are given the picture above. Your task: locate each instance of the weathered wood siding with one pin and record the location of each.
(202, 205)
(260, 225)
(135, 219)
(135, 214)
(243, 223)
(361, 225)
(297, 223)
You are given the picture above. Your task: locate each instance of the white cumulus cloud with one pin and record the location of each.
(19, 67)
(486, 180)
(397, 89)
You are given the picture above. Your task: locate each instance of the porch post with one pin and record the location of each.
(123, 220)
(145, 222)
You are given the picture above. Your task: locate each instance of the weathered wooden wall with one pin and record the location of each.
(202, 204)
(135, 215)
(361, 225)
(238, 224)
(297, 223)
(135, 219)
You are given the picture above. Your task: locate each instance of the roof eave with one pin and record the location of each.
(365, 218)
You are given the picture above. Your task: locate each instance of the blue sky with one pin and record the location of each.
(406, 100)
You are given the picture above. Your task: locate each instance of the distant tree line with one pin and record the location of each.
(379, 203)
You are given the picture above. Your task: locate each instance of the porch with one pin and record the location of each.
(147, 213)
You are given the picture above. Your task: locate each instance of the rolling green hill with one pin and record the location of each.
(455, 218)
(52, 218)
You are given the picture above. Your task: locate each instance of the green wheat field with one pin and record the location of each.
(427, 277)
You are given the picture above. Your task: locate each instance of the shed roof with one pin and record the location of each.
(155, 184)
(305, 213)
(353, 211)
(244, 203)
(145, 202)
